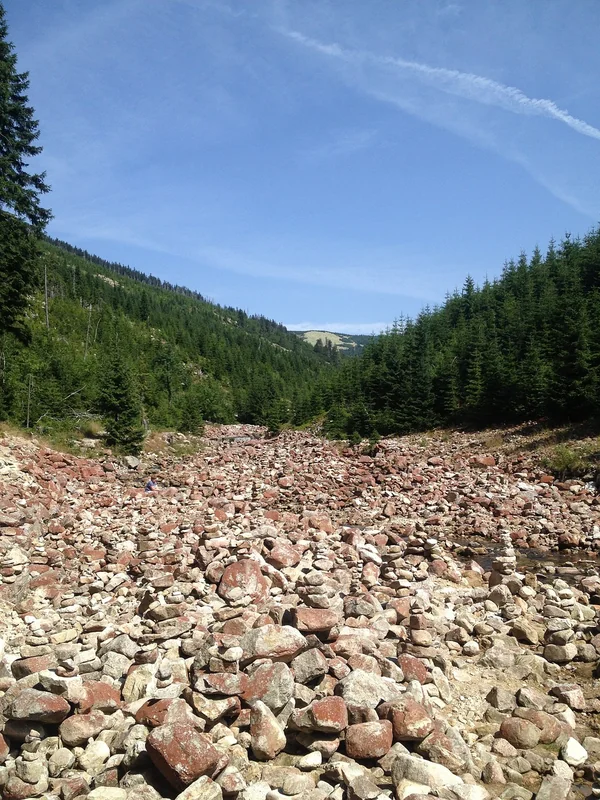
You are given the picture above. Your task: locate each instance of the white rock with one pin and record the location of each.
(573, 753)
(416, 769)
(405, 788)
(107, 793)
(257, 791)
(92, 760)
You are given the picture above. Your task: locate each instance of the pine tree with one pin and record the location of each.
(19, 188)
(18, 253)
(121, 406)
(190, 415)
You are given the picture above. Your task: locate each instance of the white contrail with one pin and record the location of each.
(463, 84)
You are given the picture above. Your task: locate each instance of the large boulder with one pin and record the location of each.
(35, 706)
(244, 579)
(520, 733)
(181, 753)
(369, 739)
(367, 690)
(412, 768)
(267, 735)
(277, 642)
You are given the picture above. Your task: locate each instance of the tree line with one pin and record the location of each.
(524, 346)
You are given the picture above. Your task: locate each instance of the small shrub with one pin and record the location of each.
(565, 461)
(92, 429)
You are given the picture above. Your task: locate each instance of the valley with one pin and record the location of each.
(288, 617)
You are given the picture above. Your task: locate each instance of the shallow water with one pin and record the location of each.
(570, 567)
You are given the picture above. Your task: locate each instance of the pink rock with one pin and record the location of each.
(16, 789)
(410, 720)
(29, 666)
(97, 695)
(267, 735)
(448, 750)
(77, 729)
(369, 739)
(153, 713)
(228, 683)
(181, 754)
(413, 668)
(313, 620)
(520, 733)
(482, 461)
(4, 749)
(550, 727)
(35, 706)
(284, 555)
(244, 578)
(329, 715)
(271, 683)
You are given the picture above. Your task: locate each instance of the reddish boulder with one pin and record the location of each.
(267, 735)
(153, 713)
(550, 727)
(228, 683)
(271, 683)
(329, 715)
(16, 789)
(77, 729)
(410, 720)
(97, 695)
(35, 706)
(369, 739)
(482, 461)
(181, 754)
(244, 579)
(284, 555)
(413, 668)
(314, 620)
(520, 733)
(29, 666)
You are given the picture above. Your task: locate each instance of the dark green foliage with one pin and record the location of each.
(190, 415)
(19, 188)
(119, 402)
(183, 360)
(526, 346)
(18, 254)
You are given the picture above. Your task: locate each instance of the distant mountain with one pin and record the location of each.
(347, 344)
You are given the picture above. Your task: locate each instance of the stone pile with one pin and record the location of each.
(287, 620)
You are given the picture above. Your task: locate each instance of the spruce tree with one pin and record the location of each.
(20, 189)
(190, 415)
(18, 253)
(121, 406)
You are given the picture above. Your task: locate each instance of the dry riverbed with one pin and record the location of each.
(289, 619)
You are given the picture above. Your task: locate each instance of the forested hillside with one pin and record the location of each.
(524, 346)
(116, 343)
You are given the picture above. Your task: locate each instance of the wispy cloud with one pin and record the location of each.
(385, 272)
(357, 328)
(386, 277)
(492, 115)
(463, 84)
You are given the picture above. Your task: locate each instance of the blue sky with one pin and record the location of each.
(327, 163)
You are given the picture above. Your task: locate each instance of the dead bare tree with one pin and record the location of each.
(46, 295)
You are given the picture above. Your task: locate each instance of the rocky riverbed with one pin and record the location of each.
(289, 619)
